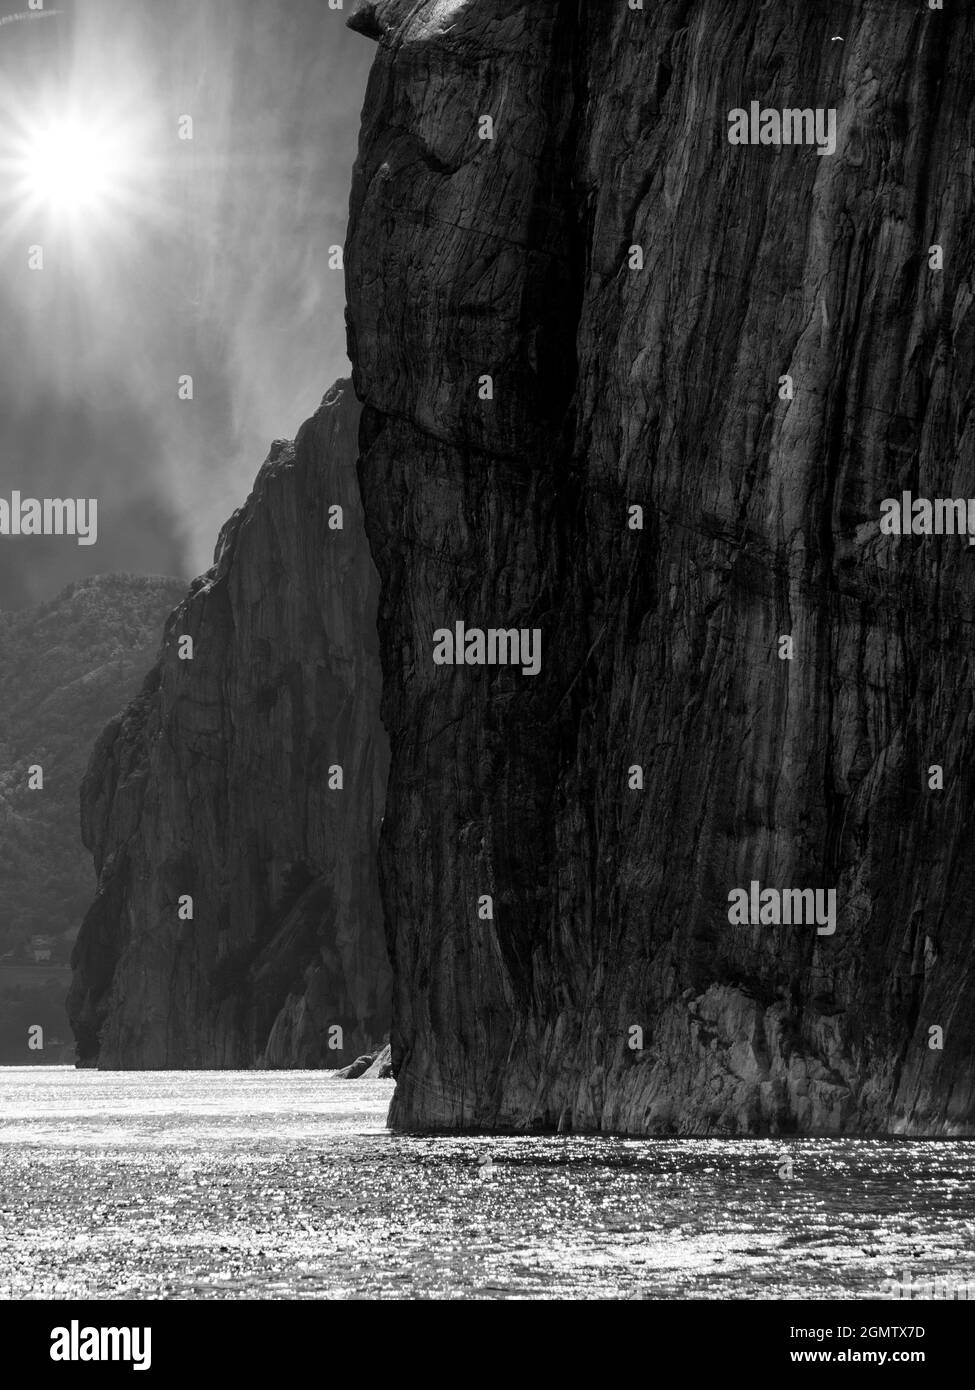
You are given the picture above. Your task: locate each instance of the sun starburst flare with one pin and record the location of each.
(79, 169)
(73, 166)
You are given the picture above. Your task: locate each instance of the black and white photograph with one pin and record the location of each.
(487, 673)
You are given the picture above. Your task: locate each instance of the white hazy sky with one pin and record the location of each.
(207, 257)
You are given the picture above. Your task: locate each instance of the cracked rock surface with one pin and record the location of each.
(660, 388)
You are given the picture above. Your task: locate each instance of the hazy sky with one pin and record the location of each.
(206, 257)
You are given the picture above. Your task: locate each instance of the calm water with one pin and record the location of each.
(287, 1184)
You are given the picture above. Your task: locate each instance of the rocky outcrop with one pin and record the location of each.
(589, 303)
(368, 1067)
(381, 1067)
(234, 808)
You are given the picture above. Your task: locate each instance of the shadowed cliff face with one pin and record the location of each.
(216, 783)
(660, 387)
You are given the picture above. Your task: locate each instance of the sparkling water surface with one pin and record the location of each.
(288, 1185)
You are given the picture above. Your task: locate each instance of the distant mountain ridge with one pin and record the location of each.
(66, 667)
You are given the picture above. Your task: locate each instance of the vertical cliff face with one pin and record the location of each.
(219, 784)
(609, 989)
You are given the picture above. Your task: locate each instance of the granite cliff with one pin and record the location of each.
(592, 302)
(237, 919)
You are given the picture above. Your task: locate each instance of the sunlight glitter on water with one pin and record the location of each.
(287, 1185)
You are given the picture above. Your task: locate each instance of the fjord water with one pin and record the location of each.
(287, 1185)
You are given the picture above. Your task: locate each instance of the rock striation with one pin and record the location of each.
(216, 793)
(593, 302)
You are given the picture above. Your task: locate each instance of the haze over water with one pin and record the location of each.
(287, 1185)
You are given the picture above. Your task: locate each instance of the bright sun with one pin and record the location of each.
(68, 166)
(84, 171)
(83, 166)
(72, 166)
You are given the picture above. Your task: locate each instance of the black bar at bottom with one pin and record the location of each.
(50, 1343)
